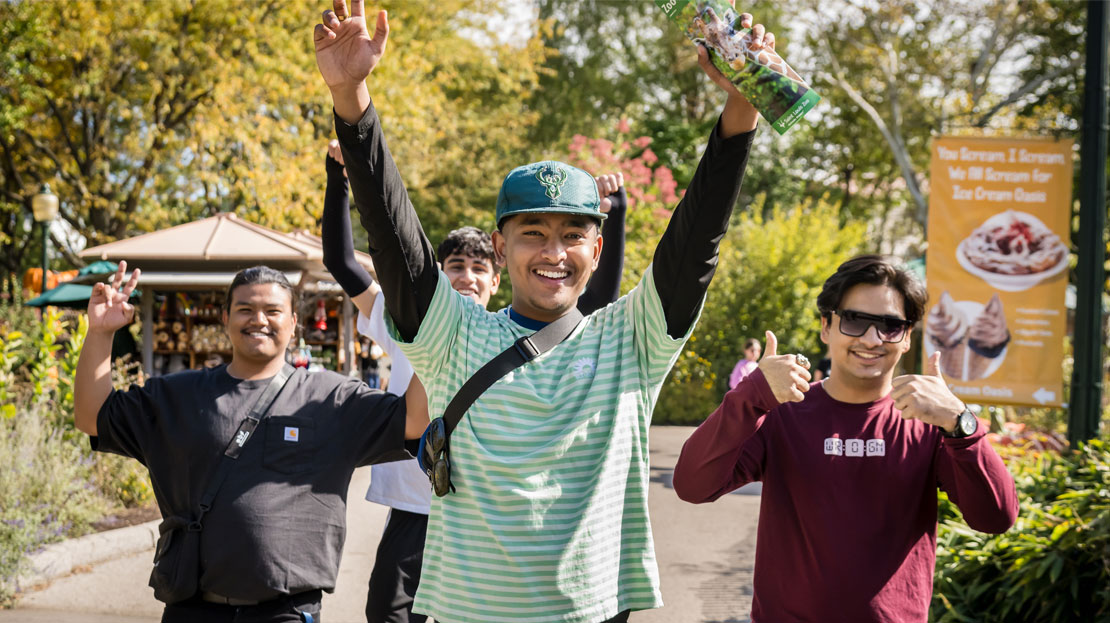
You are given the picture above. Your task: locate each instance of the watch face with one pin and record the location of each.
(968, 423)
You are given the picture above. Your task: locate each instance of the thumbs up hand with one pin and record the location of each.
(926, 397)
(788, 379)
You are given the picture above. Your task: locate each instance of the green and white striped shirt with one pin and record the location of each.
(550, 519)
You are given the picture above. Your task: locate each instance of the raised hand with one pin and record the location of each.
(926, 397)
(345, 52)
(108, 306)
(607, 185)
(336, 153)
(788, 379)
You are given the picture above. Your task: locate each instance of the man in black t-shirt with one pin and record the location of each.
(273, 537)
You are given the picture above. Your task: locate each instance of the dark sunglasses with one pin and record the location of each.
(890, 328)
(437, 458)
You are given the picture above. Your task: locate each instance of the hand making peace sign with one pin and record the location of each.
(108, 306)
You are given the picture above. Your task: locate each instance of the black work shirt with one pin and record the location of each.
(278, 523)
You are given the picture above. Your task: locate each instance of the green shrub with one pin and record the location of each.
(123, 480)
(52, 486)
(690, 393)
(1052, 566)
(47, 489)
(769, 274)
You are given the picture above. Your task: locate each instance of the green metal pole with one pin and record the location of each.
(45, 246)
(1086, 393)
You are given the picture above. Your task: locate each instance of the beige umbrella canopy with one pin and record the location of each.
(220, 241)
(206, 254)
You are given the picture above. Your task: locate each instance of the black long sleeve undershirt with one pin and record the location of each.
(605, 283)
(335, 234)
(403, 255)
(685, 259)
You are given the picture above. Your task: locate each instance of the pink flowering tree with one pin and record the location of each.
(647, 180)
(650, 184)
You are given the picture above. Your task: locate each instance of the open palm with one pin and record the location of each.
(345, 52)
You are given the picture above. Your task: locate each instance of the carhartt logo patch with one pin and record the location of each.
(292, 433)
(552, 179)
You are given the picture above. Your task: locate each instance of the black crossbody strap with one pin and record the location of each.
(521, 352)
(245, 431)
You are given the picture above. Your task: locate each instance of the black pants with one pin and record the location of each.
(397, 570)
(286, 609)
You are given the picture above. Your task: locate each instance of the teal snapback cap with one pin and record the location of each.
(548, 186)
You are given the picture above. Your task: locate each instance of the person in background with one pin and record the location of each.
(370, 356)
(748, 364)
(821, 372)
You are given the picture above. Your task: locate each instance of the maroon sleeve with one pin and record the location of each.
(726, 451)
(976, 480)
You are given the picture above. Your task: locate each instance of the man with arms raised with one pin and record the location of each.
(549, 520)
(271, 540)
(470, 265)
(850, 466)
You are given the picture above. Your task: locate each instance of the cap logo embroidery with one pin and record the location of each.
(552, 179)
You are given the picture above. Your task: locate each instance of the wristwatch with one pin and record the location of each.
(966, 424)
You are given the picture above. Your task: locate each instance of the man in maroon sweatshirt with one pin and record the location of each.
(850, 466)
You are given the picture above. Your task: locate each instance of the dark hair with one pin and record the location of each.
(751, 341)
(469, 241)
(257, 275)
(872, 270)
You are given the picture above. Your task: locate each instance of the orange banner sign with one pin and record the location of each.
(997, 267)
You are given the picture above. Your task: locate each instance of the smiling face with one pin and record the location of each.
(550, 258)
(474, 277)
(260, 323)
(862, 367)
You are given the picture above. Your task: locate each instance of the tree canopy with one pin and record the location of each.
(144, 119)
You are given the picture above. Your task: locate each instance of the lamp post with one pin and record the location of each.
(44, 205)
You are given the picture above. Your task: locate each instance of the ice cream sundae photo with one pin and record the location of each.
(1013, 251)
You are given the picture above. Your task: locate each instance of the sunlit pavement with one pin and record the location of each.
(705, 552)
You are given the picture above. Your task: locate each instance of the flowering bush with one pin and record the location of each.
(646, 179)
(650, 186)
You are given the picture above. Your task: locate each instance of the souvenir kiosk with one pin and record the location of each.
(185, 273)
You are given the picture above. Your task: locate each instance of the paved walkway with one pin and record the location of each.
(705, 553)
